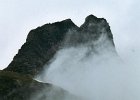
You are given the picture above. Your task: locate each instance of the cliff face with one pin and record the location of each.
(42, 43)
(97, 27)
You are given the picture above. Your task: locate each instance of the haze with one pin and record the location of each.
(18, 17)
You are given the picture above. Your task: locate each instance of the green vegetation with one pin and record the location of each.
(14, 86)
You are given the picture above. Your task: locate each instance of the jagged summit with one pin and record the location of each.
(51, 30)
(91, 18)
(96, 27)
(68, 21)
(43, 42)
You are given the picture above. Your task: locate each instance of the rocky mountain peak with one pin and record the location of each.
(96, 27)
(90, 18)
(43, 42)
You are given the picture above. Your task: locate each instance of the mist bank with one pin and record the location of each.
(88, 66)
(93, 71)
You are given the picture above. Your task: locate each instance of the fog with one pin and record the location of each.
(87, 74)
(19, 17)
(92, 70)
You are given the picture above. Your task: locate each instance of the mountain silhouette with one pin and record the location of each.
(17, 80)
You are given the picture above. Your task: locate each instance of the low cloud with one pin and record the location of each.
(92, 70)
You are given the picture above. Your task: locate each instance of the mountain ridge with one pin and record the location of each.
(43, 42)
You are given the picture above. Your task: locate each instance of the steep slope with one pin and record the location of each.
(96, 26)
(41, 44)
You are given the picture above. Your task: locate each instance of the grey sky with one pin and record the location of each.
(18, 17)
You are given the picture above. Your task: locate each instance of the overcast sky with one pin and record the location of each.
(18, 17)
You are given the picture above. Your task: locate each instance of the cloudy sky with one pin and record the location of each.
(18, 17)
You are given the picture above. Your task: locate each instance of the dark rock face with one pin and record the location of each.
(96, 26)
(43, 42)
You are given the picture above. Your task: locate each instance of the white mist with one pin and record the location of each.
(93, 71)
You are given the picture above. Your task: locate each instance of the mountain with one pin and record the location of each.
(42, 43)
(17, 80)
